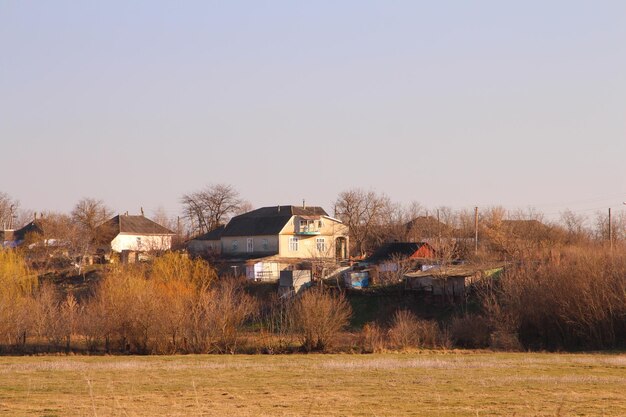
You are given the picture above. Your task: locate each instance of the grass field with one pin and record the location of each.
(421, 384)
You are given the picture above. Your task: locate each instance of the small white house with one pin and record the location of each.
(135, 234)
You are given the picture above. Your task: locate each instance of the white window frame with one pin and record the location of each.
(235, 245)
(293, 244)
(250, 245)
(320, 243)
(265, 244)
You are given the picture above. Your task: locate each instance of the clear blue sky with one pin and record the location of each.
(456, 103)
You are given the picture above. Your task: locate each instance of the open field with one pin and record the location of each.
(420, 384)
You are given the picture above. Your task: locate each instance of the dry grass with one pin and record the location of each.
(419, 384)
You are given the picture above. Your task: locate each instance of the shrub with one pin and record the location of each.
(318, 317)
(372, 338)
(574, 301)
(470, 331)
(276, 324)
(408, 332)
(226, 308)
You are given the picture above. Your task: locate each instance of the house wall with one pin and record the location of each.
(204, 247)
(141, 242)
(242, 245)
(307, 245)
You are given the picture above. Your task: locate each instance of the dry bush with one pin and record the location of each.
(276, 324)
(15, 277)
(46, 319)
(226, 308)
(175, 267)
(470, 331)
(17, 284)
(407, 331)
(128, 302)
(503, 340)
(573, 301)
(318, 317)
(372, 338)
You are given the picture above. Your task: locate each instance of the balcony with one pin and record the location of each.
(308, 231)
(308, 226)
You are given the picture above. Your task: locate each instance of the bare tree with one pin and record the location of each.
(575, 226)
(8, 211)
(89, 213)
(211, 207)
(362, 211)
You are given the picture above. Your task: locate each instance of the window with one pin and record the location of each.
(265, 244)
(321, 244)
(250, 245)
(320, 224)
(293, 244)
(235, 245)
(138, 243)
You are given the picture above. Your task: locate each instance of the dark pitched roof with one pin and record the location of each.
(137, 225)
(388, 251)
(267, 220)
(214, 234)
(34, 227)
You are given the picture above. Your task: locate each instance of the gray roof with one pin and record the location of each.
(136, 225)
(267, 220)
(214, 234)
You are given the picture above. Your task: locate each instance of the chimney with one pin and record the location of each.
(303, 203)
(278, 207)
(142, 211)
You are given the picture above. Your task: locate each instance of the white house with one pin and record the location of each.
(135, 234)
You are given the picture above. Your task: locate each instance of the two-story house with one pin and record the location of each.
(274, 237)
(285, 232)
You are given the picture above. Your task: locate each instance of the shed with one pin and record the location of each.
(294, 281)
(450, 280)
(357, 279)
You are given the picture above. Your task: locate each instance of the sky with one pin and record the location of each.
(447, 103)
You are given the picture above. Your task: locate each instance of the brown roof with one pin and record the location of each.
(135, 225)
(427, 226)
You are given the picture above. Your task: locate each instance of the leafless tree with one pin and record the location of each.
(89, 213)
(8, 210)
(210, 207)
(318, 317)
(575, 226)
(362, 211)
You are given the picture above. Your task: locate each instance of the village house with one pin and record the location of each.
(269, 239)
(388, 255)
(130, 236)
(26, 234)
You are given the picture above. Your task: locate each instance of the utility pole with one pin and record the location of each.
(475, 230)
(438, 230)
(610, 231)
